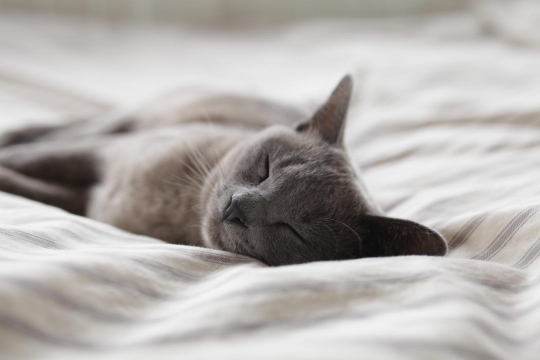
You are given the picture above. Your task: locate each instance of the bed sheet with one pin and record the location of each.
(445, 123)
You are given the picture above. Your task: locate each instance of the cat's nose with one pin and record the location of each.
(234, 212)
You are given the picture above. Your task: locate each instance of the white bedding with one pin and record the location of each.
(445, 123)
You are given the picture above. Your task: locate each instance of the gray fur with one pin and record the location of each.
(224, 172)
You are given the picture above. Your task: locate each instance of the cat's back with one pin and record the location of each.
(181, 108)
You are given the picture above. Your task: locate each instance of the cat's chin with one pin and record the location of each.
(230, 236)
(220, 235)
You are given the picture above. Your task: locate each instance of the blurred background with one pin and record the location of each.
(232, 12)
(417, 58)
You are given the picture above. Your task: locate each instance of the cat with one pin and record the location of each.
(225, 172)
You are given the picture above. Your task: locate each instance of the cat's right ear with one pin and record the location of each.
(328, 122)
(383, 236)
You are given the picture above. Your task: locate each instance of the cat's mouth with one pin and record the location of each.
(237, 237)
(236, 223)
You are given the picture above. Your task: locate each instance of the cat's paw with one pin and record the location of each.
(6, 140)
(6, 180)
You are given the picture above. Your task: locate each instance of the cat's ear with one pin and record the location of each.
(328, 122)
(384, 236)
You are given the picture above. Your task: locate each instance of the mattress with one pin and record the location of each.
(445, 123)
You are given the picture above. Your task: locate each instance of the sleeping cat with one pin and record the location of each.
(224, 172)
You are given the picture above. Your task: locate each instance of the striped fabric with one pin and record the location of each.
(446, 126)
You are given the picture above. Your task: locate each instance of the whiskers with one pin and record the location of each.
(336, 242)
(209, 121)
(201, 165)
(196, 160)
(191, 180)
(193, 191)
(348, 227)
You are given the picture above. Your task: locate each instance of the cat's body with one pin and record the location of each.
(225, 172)
(165, 167)
(142, 169)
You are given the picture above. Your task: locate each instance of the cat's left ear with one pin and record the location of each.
(383, 236)
(328, 122)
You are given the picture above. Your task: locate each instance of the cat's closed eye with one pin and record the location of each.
(292, 231)
(266, 169)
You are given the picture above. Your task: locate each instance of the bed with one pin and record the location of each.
(445, 124)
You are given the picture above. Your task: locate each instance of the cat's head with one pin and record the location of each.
(290, 196)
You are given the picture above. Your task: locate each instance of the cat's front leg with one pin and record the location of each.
(26, 134)
(70, 198)
(75, 162)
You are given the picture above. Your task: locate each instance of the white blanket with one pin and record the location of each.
(445, 123)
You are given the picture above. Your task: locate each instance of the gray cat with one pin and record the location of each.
(223, 172)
